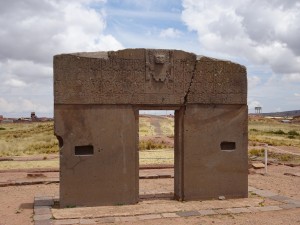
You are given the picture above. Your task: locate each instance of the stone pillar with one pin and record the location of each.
(215, 151)
(98, 161)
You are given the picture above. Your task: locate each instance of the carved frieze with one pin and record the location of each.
(147, 76)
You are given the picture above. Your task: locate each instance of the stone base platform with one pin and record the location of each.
(46, 210)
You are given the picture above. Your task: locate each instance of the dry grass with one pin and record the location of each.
(274, 133)
(145, 127)
(38, 138)
(7, 165)
(163, 156)
(27, 139)
(167, 126)
(282, 157)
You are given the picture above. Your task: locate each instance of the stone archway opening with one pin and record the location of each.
(156, 154)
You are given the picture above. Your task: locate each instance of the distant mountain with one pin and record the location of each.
(283, 114)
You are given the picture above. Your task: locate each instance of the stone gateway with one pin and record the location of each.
(97, 98)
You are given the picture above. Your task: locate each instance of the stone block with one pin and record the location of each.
(188, 213)
(87, 221)
(42, 217)
(269, 208)
(128, 219)
(206, 212)
(38, 210)
(288, 206)
(238, 210)
(149, 217)
(43, 222)
(169, 215)
(66, 222)
(279, 198)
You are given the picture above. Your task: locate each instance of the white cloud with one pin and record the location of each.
(170, 33)
(26, 105)
(31, 33)
(15, 83)
(253, 81)
(294, 77)
(263, 32)
(253, 103)
(297, 94)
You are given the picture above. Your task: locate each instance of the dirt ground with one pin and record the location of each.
(17, 201)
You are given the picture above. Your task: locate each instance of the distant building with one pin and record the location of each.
(1, 118)
(257, 110)
(33, 117)
(7, 121)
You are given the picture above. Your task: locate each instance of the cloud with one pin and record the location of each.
(15, 83)
(253, 81)
(297, 94)
(294, 77)
(263, 32)
(31, 33)
(170, 33)
(253, 103)
(26, 105)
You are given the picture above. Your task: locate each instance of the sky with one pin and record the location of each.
(263, 35)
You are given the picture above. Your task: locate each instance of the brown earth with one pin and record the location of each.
(16, 201)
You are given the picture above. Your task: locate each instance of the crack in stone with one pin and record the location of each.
(76, 164)
(191, 82)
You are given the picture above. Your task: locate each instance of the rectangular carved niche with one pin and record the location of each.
(84, 150)
(227, 146)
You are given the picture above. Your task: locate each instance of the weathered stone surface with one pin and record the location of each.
(209, 171)
(258, 165)
(110, 174)
(97, 97)
(188, 213)
(238, 210)
(147, 76)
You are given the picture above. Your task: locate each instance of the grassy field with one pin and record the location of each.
(37, 138)
(273, 132)
(27, 139)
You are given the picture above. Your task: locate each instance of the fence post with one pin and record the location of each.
(266, 159)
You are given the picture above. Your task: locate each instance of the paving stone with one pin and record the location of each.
(279, 198)
(42, 210)
(269, 208)
(206, 212)
(43, 222)
(66, 222)
(188, 213)
(128, 219)
(42, 217)
(221, 211)
(149, 217)
(169, 215)
(106, 220)
(264, 193)
(288, 206)
(238, 210)
(252, 189)
(292, 201)
(87, 221)
(43, 197)
(258, 165)
(254, 209)
(48, 202)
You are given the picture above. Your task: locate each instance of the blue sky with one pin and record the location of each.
(262, 35)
